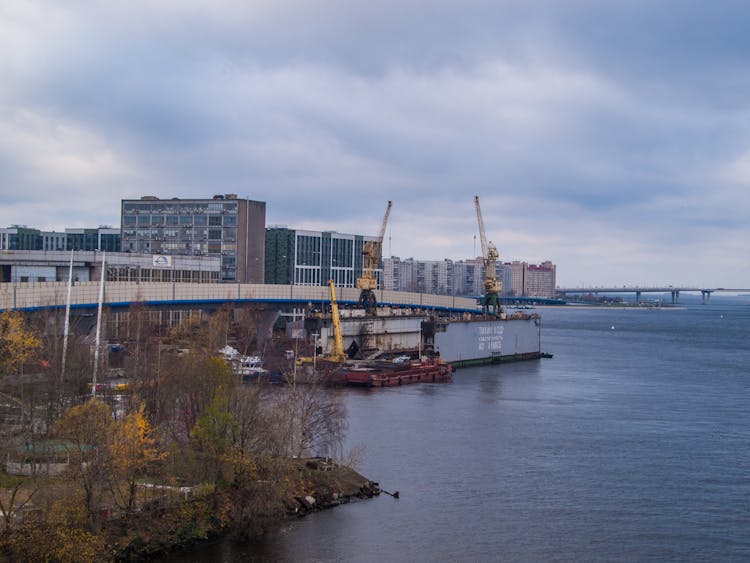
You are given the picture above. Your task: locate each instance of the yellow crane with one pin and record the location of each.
(337, 349)
(367, 283)
(337, 354)
(492, 286)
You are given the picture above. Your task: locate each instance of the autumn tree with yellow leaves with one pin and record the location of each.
(18, 343)
(133, 451)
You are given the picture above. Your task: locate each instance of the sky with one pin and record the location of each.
(610, 137)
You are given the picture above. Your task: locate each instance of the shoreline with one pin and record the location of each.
(255, 499)
(569, 306)
(246, 510)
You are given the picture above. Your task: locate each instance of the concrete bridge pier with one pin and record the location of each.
(675, 297)
(705, 295)
(637, 297)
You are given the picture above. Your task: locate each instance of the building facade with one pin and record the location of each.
(539, 280)
(20, 238)
(303, 257)
(106, 239)
(466, 277)
(35, 266)
(224, 226)
(421, 276)
(24, 238)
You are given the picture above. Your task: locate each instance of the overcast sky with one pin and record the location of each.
(611, 137)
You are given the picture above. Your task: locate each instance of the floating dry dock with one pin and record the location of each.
(469, 339)
(480, 341)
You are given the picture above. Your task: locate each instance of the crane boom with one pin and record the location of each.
(337, 354)
(482, 235)
(492, 286)
(337, 350)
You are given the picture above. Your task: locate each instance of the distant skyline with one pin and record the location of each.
(611, 138)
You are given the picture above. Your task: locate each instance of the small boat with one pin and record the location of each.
(388, 374)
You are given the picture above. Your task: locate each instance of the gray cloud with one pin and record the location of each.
(610, 138)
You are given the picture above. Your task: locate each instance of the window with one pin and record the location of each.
(200, 220)
(129, 220)
(308, 250)
(143, 220)
(230, 220)
(214, 220)
(214, 234)
(186, 219)
(172, 220)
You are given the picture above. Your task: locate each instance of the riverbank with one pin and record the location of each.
(255, 499)
(245, 509)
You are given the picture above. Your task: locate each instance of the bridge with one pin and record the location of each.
(674, 291)
(32, 296)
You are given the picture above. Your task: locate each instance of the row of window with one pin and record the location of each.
(227, 234)
(342, 277)
(174, 220)
(160, 275)
(342, 251)
(179, 208)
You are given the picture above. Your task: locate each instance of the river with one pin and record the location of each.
(631, 444)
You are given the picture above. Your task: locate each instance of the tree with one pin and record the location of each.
(214, 433)
(18, 343)
(315, 421)
(87, 429)
(133, 450)
(15, 494)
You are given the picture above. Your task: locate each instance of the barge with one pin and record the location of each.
(388, 374)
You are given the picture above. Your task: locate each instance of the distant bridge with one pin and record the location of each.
(50, 295)
(674, 291)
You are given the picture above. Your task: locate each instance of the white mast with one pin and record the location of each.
(98, 326)
(67, 318)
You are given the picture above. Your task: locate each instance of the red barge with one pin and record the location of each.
(386, 374)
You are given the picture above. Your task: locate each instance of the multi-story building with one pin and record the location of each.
(19, 266)
(224, 226)
(24, 238)
(466, 277)
(20, 238)
(517, 269)
(539, 280)
(302, 257)
(392, 273)
(57, 242)
(106, 239)
(422, 276)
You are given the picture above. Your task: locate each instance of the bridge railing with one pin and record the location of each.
(54, 294)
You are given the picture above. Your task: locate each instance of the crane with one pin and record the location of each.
(337, 349)
(492, 286)
(337, 354)
(367, 283)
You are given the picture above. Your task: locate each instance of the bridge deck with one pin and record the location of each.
(43, 295)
